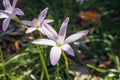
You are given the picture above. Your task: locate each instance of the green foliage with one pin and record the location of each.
(103, 44)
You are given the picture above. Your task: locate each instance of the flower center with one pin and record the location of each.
(37, 24)
(59, 43)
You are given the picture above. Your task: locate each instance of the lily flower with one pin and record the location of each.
(9, 13)
(38, 24)
(59, 42)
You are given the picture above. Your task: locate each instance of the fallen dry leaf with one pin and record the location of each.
(17, 45)
(88, 16)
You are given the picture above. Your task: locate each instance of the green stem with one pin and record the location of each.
(42, 74)
(115, 60)
(97, 69)
(15, 18)
(40, 35)
(43, 63)
(3, 64)
(66, 64)
(57, 69)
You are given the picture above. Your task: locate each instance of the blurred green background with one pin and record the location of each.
(98, 52)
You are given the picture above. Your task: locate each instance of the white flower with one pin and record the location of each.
(59, 42)
(38, 24)
(9, 12)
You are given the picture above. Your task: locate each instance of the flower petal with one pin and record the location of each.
(35, 22)
(44, 42)
(26, 22)
(76, 36)
(43, 14)
(50, 32)
(62, 32)
(50, 28)
(55, 55)
(6, 23)
(48, 20)
(18, 11)
(6, 4)
(2, 14)
(67, 48)
(31, 29)
(14, 3)
(41, 29)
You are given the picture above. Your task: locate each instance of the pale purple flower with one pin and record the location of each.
(59, 42)
(9, 12)
(38, 24)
